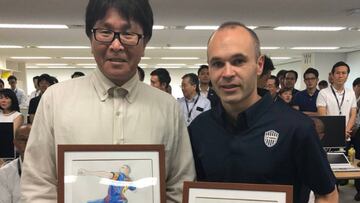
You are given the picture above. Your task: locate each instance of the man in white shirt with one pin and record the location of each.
(193, 103)
(337, 99)
(109, 106)
(20, 94)
(10, 173)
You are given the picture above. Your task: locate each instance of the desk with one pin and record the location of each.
(348, 174)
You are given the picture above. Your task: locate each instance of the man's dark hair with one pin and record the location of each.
(12, 96)
(285, 89)
(163, 75)
(201, 68)
(356, 82)
(313, 71)
(77, 74)
(138, 11)
(268, 66)
(35, 77)
(292, 71)
(277, 82)
(281, 73)
(141, 73)
(233, 25)
(54, 79)
(340, 63)
(193, 79)
(2, 82)
(12, 77)
(47, 78)
(323, 83)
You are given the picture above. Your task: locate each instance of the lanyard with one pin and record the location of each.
(19, 167)
(342, 100)
(187, 107)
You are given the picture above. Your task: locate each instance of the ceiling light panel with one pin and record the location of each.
(306, 28)
(33, 26)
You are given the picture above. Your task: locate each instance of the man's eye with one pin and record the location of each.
(237, 62)
(217, 64)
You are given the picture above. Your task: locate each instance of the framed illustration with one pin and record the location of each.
(111, 173)
(211, 192)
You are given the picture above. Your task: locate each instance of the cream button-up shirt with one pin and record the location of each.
(93, 110)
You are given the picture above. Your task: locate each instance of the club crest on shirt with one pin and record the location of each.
(270, 138)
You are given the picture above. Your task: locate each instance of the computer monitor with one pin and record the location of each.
(331, 129)
(7, 149)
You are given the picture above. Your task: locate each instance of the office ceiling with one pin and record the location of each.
(174, 15)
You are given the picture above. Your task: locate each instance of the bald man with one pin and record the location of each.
(10, 174)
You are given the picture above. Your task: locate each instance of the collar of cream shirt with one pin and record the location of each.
(103, 86)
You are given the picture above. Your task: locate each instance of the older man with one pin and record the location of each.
(255, 139)
(109, 106)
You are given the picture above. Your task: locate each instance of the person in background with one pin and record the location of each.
(305, 100)
(77, 74)
(2, 84)
(290, 80)
(281, 76)
(160, 78)
(9, 106)
(141, 74)
(20, 94)
(205, 85)
(285, 94)
(10, 173)
(44, 81)
(109, 106)
(227, 140)
(272, 85)
(193, 103)
(265, 75)
(323, 84)
(36, 92)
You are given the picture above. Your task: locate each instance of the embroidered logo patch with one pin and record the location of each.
(270, 138)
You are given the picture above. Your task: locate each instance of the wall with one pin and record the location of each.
(353, 60)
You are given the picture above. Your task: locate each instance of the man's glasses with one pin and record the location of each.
(108, 36)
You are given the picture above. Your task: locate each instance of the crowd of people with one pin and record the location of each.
(233, 116)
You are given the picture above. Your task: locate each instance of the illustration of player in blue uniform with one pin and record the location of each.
(116, 192)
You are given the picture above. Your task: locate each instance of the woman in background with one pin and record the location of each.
(9, 108)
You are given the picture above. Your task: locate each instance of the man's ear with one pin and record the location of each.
(260, 64)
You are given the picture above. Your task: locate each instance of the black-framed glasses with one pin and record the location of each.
(108, 36)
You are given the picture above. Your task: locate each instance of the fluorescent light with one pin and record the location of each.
(61, 67)
(142, 64)
(190, 48)
(208, 27)
(89, 67)
(168, 67)
(77, 57)
(280, 58)
(63, 47)
(158, 27)
(86, 64)
(305, 28)
(34, 26)
(269, 48)
(32, 67)
(315, 48)
(179, 58)
(30, 57)
(171, 64)
(153, 48)
(201, 27)
(145, 58)
(51, 64)
(10, 47)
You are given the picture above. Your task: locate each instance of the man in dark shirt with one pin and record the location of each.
(252, 139)
(305, 100)
(290, 79)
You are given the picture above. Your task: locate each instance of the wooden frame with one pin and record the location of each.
(87, 172)
(199, 192)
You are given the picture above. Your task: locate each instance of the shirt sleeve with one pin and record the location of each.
(39, 178)
(321, 99)
(180, 161)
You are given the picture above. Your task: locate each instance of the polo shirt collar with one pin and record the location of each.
(247, 118)
(105, 88)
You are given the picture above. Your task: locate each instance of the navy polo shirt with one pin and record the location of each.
(271, 143)
(305, 101)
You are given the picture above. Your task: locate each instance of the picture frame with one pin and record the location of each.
(211, 192)
(93, 173)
